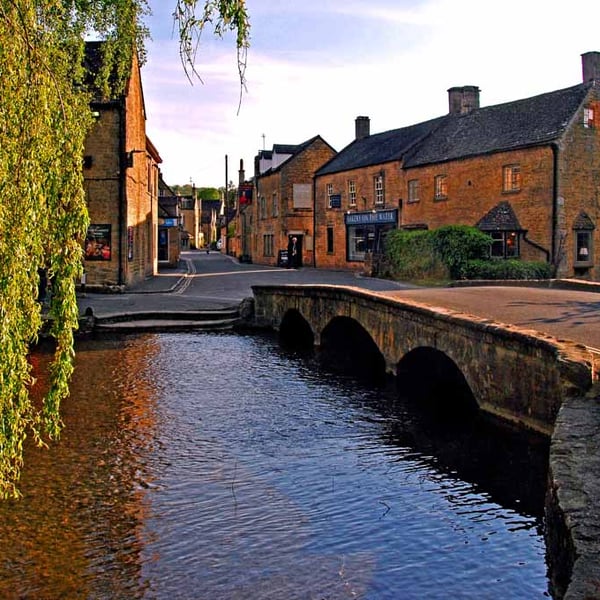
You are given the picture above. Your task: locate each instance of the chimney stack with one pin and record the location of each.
(590, 63)
(362, 127)
(462, 100)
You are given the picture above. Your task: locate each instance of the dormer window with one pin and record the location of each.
(588, 117)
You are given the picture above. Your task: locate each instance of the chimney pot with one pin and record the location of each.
(590, 64)
(362, 127)
(462, 100)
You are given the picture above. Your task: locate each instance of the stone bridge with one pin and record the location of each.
(521, 376)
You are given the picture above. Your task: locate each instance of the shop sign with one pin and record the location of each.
(372, 217)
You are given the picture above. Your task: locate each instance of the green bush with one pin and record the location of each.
(452, 252)
(411, 255)
(457, 244)
(507, 269)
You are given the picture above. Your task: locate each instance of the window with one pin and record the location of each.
(268, 244)
(275, 205)
(329, 240)
(329, 194)
(352, 193)
(413, 190)
(187, 203)
(263, 207)
(583, 247)
(360, 241)
(588, 117)
(511, 178)
(440, 187)
(505, 244)
(379, 196)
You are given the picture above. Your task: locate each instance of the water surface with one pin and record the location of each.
(218, 466)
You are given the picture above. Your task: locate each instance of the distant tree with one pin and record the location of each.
(209, 194)
(44, 119)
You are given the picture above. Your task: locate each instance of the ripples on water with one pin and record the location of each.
(218, 466)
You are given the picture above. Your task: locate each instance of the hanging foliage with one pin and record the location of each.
(45, 117)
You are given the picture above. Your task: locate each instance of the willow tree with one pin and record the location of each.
(45, 117)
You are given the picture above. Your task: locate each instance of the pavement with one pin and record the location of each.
(569, 310)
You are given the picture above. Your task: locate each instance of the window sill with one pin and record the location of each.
(440, 198)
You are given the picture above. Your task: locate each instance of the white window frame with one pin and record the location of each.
(351, 192)
(379, 189)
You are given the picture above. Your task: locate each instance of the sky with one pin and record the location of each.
(313, 66)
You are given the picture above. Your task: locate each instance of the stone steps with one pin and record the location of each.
(167, 321)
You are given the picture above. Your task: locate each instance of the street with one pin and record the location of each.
(214, 280)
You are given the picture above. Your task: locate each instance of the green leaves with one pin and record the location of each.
(44, 120)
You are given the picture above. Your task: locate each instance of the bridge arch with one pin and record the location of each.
(518, 375)
(430, 377)
(295, 331)
(347, 346)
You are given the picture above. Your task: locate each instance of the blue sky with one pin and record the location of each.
(315, 65)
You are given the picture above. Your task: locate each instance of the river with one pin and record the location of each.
(221, 466)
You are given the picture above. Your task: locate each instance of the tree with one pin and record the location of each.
(44, 119)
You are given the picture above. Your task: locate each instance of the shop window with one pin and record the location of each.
(360, 241)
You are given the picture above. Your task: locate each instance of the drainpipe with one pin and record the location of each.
(314, 185)
(555, 151)
(122, 184)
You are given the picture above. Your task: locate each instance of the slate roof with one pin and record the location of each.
(291, 149)
(518, 124)
(501, 218)
(379, 148)
(583, 221)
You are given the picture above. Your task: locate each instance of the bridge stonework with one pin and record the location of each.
(521, 376)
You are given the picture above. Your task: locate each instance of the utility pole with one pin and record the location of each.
(226, 211)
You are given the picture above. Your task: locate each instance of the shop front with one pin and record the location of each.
(364, 232)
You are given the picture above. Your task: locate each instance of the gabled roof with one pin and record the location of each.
(518, 124)
(293, 150)
(583, 221)
(501, 218)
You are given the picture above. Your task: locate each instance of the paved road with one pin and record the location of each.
(218, 281)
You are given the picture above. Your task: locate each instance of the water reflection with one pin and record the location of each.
(222, 466)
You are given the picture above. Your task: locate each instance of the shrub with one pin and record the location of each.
(411, 255)
(457, 244)
(507, 269)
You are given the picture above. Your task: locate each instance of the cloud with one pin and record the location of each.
(315, 65)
